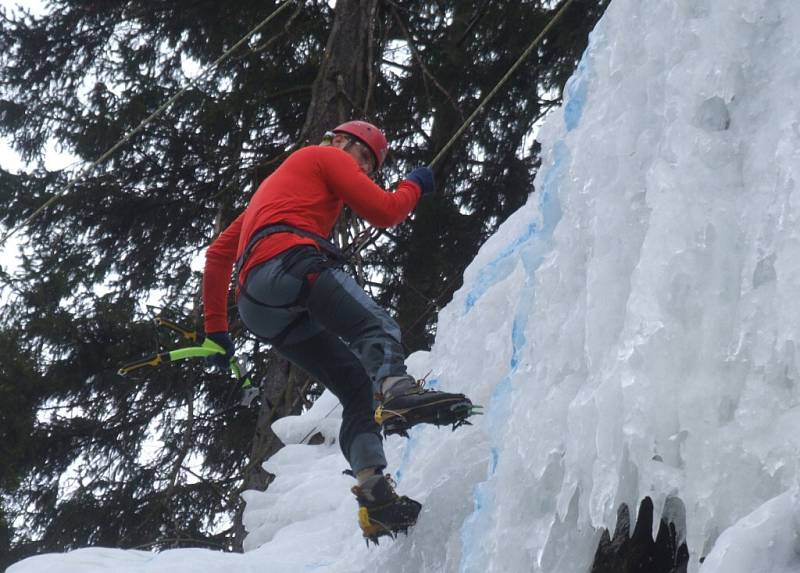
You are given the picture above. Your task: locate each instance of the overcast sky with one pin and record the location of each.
(8, 159)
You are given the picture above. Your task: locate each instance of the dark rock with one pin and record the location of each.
(639, 553)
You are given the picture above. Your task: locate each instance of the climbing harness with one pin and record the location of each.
(332, 251)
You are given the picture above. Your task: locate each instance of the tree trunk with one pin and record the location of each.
(342, 87)
(341, 92)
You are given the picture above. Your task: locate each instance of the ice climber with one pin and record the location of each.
(293, 293)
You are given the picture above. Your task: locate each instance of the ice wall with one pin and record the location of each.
(654, 344)
(632, 331)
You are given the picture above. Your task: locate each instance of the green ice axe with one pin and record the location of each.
(206, 349)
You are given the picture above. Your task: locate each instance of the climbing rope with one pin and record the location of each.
(205, 350)
(460, 132)
(85, 173)
(502, 82)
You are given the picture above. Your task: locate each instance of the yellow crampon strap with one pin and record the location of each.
(369, 527)
(363, 519)
(382, 415)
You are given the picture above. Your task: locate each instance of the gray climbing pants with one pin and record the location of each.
(320, 319)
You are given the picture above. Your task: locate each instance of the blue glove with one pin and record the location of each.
(221, 361)
(423, 176)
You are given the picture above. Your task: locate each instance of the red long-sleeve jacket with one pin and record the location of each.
(307, 191)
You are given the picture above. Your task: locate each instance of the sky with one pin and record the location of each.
(10, 159)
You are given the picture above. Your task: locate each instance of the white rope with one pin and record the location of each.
(502, 82)
(86, 171)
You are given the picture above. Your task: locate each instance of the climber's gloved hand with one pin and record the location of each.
(221, 361)
(423, 176)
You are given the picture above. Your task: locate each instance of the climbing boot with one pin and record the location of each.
(405, 402)
(381, 512)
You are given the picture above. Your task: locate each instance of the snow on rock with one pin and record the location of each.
(96, 560)
(324, 417)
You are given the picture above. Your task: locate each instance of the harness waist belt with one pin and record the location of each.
(325, 245)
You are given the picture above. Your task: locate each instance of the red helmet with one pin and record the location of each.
(369, 135)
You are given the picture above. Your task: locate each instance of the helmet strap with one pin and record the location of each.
(351, 141)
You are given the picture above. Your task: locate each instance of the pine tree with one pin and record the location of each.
(85, 469)
(127, 233)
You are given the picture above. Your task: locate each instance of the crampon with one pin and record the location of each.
(383, 513)
(373, 529)
(399, 413)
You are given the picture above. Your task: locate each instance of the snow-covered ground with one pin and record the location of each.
(632, 331)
